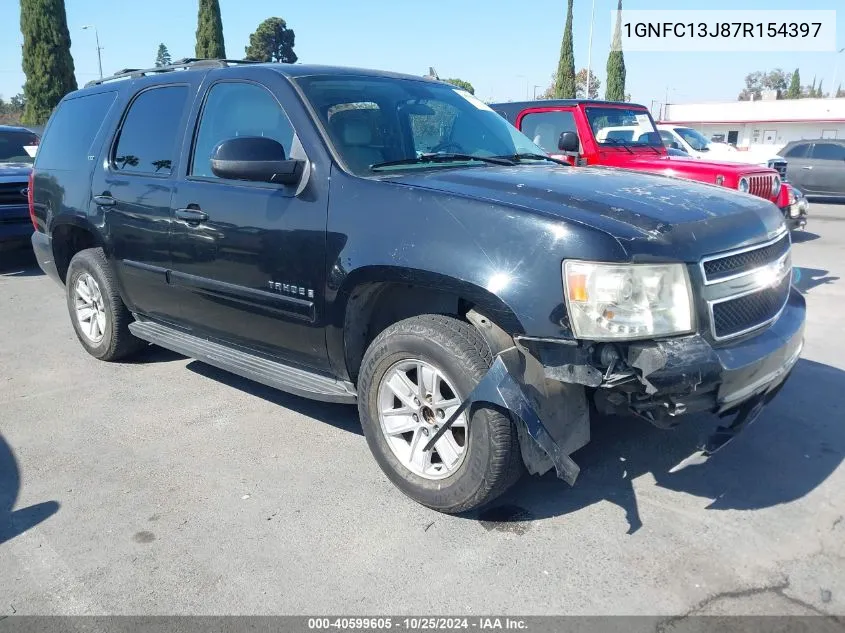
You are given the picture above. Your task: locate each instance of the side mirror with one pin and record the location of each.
(255, 158)
(568, 142)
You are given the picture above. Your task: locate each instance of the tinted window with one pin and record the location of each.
(799, 151)
(238, 109)
(667, 138)
(545, 128)
(149, 138)
(17, 146)
(67, 142)
(828, 151)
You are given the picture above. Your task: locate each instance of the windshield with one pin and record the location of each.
(623, 126)
(17, 146)
(695, 140)
(376, 120)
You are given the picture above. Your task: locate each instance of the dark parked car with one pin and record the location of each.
(817, 167)
(17, 148)
(366, 237)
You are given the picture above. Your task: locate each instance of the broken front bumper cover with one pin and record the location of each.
(677, 376)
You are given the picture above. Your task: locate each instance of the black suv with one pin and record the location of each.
(359, 236)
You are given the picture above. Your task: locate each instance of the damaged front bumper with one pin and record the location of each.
(548, 383)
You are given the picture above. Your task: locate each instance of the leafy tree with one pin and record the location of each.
(460, 83)
(564, 85)
(581, 85)
(272, 42)
(757, 82)
(210, 43)
(616, 63)
(47, 61)
(794, 91)
(163, 56)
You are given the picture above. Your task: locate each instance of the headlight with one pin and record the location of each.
(627, 301)
(743, 185)
(720, 179)
(776, 186)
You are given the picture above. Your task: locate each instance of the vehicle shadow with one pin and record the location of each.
(16, 522)
(341, 416)
(805, 279)
(153, 354)
(797, 442)
(799, 237)
(19, 263)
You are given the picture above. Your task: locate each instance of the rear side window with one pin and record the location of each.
(828, 151)
(149, 138)
(799, 151)
(67, 143)
(545, 128)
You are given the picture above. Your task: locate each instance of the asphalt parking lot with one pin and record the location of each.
(165, 486)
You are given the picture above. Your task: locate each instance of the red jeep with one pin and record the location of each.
(586, 132)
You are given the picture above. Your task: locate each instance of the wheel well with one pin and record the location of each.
(68, 240)
(374, 307)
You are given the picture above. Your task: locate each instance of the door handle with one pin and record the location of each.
(104, 201)
(807, 167)
(191, 216)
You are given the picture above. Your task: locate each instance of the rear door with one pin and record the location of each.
(798, 166)
(131, 191)
(828, 174)
(252, 270)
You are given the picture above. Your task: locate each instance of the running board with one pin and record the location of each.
(300, 382)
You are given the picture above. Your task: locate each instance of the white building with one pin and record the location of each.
(766, 122)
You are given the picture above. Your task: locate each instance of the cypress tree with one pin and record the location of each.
(47, 61)
(819, 91)
(210, 43)
(163, 56)
(616, 63)
(794, 91)
(564, 86)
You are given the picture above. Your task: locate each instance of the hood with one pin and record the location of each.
(651, 216)
(12, 172)
(721, 166)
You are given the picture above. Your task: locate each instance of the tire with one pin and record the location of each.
(109, 338)
(491, 460)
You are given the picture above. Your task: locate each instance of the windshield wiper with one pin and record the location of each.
(530, 156)
(445, 158)
(618, 143)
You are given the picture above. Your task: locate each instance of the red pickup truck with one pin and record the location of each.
(587, 132)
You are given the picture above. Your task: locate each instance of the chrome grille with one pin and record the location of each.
(780, 166)
(733, 317)
(747, 288)
(744, 261)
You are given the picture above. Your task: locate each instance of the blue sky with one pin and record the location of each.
(500, 46)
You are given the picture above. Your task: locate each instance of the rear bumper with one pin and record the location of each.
(42, 246)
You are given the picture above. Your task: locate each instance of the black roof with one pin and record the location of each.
(551, 103)
(288, 70)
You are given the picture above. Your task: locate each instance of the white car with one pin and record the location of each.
(698, 146)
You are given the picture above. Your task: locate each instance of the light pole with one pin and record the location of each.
(535, 90)
(590, 52)
(836, 73)
(99, 48)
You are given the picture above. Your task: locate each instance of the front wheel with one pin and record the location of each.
(413, 377)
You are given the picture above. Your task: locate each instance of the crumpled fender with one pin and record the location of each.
(499, 388)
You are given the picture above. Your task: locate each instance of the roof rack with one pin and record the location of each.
(180, 64)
